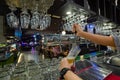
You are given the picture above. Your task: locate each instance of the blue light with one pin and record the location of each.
(18, 33)
(35, 42)
(24, 44)
(34, 36)
(90, 26)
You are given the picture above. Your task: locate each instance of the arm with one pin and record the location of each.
(99, 39)
(69, 75)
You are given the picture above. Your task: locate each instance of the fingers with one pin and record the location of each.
(65, 64)
(64, 60)
(74, 28)
(62, 63)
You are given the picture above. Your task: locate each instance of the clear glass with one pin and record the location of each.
(35, 20)
(12, 20)
(75, 50)
(25, 19)
(45, 21)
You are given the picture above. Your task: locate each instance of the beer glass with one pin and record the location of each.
(75, 50)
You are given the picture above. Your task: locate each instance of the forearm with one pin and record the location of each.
(71, 76)
(99, 39)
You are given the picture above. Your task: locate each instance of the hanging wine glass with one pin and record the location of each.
(35, 18)
(24, 18)
(45, 19)
(12, 19)
(38, 20)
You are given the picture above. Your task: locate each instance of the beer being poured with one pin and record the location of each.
(75, 50)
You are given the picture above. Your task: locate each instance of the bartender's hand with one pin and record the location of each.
(77, 29)
(64, 64)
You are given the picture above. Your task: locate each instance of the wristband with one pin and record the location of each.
(63, 72)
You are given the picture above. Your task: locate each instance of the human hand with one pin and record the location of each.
(77, 29)
(64, 64)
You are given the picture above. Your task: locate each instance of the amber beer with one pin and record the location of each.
(70, 59)
(73, 53)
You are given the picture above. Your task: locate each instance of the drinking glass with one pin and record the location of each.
(24, 19)
(12, 20)
(35, 20)
(75, 50)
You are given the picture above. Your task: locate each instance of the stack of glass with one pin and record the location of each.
(46, 69)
